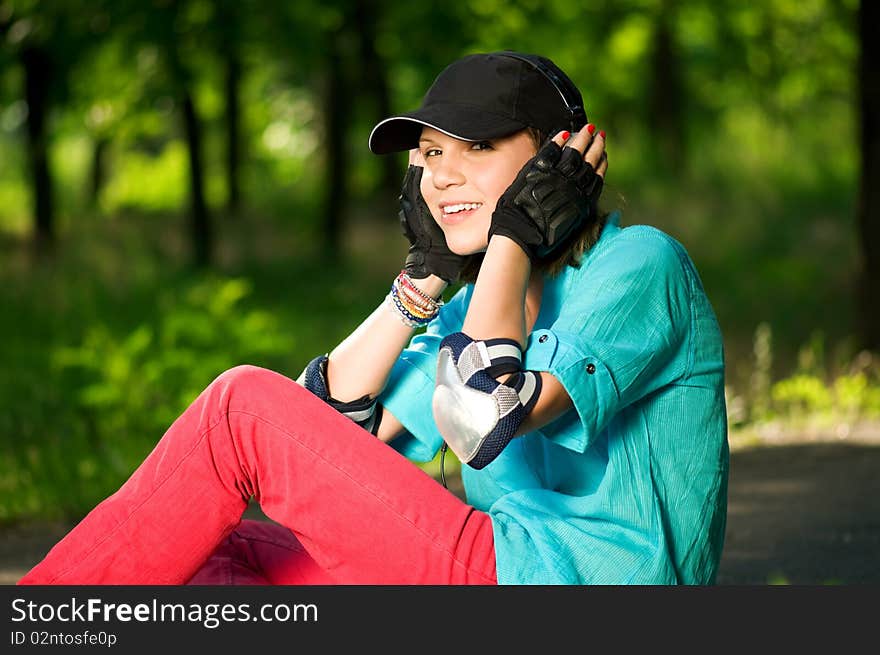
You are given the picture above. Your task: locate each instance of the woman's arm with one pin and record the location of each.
(497, 308)
(553, 402)
(361, 364)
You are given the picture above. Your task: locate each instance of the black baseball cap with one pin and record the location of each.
(486, 96)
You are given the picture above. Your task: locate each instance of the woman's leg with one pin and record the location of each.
(364, 513)
(261, 553)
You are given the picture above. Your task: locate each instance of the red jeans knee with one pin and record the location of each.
(361, 512)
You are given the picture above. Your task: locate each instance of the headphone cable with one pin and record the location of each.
(442, 457)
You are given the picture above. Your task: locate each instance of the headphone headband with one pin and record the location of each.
(577, 114)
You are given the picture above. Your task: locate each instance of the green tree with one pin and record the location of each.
(869, 188)
(46, 41)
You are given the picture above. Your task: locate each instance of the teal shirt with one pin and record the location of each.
(630, 486)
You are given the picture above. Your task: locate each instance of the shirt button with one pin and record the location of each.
(542, 338)
(591, 368)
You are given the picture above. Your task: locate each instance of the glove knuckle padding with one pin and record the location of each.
(547, 157)
(553, 194)
(586, 179)
(570, 161)
(477, 415)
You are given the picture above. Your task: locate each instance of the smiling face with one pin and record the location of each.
(463, 180)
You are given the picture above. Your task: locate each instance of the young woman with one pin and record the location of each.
(578, 374)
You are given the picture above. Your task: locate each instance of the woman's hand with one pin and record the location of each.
(428, 252)
(554, 194)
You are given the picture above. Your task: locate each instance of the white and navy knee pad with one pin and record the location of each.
(476, 414)
(364, 411)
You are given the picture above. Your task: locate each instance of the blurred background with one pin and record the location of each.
(185, 185)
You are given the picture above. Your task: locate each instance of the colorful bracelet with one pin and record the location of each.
(412, 305)
(406, 318)
(406, 281)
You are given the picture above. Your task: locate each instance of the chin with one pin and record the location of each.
(465, 249)
(464, 244)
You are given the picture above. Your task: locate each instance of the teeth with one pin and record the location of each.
(453, 209)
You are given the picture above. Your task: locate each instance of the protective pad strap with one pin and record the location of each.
(364, 411)
(505, 356)
(476, 414)
(527, 385)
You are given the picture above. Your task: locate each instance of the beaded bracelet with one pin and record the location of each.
(412, 305)
(415, 301)
(404, 279)
(410, 310)
(405, 317)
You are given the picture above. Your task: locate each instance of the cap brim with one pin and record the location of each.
(461, 122)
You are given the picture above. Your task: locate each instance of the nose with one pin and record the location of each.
(448, 172)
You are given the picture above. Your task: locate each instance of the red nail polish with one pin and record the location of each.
(602, 134)
(591, 128)
(565, 135)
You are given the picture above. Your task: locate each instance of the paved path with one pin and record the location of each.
(803, 514)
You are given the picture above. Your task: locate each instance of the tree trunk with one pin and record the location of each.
(335, 186)
(233, 129)
(202, 236)
(869, 188)
(376, 83)
(666, 92)
(37, 81)
(98, 172)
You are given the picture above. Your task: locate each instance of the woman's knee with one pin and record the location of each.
(249, 384)
(254, 379)
(243, 374)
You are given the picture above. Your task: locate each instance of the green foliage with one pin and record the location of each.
(166, 172)
(848, 397)
(802, 394)
(138, 383)
(815, 396)
(105, 400)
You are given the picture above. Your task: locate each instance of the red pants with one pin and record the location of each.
(354, 510)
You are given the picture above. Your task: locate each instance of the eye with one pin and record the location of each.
(431, 152)
(482, 145)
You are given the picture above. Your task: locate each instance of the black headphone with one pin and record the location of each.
(566, 88)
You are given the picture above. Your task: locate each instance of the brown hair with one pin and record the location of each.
(577, 244)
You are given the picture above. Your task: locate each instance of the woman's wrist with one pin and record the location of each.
(431, 285)
(505, 248)
(415, 304)
(497, 307)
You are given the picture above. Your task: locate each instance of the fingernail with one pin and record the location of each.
(602, 134)
(591, 128)
(565, 135)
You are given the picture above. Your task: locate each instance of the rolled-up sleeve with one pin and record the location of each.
(621, 332)
(410, 387)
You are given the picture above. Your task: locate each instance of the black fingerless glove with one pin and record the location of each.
(428, 252)
(553, 195)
